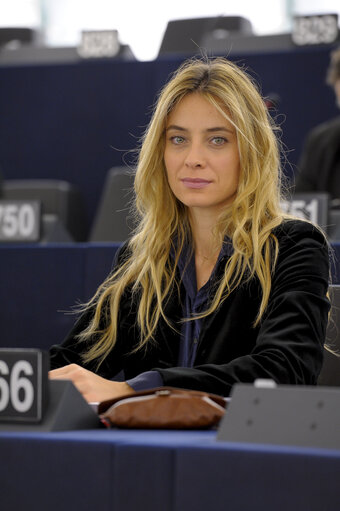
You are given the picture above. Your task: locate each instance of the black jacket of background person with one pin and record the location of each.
(287, 346)
(319, 166)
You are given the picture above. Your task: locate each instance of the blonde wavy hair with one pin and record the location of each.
(146, 268)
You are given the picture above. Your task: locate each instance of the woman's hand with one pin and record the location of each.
(94, 388)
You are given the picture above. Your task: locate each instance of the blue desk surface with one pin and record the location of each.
(118, 470)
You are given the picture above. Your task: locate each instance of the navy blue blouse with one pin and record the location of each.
(196, 301)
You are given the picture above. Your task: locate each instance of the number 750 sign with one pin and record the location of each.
(23, 384)
(19, 220)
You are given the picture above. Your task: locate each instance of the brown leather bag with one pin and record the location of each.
(163, 408)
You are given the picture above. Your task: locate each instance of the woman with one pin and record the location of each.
(217, 286)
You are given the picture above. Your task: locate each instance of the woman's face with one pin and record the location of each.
(201, 155)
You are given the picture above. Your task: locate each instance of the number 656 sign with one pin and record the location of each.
(23, 383)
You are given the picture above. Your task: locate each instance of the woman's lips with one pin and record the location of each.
(195, 182)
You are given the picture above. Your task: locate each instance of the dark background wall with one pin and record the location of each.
(75, 120)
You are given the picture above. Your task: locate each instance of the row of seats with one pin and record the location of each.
(63, 215)
(113, 222)
(64, 212)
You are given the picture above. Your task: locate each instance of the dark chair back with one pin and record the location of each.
(112, 221)
(62, 206)
(330, 372)
(189, 35)
(17, 35)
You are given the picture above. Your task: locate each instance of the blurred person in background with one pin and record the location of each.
(319, 165)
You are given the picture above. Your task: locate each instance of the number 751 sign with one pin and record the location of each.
(23, 385)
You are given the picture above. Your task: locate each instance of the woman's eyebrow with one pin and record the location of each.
(219, 128)
(208, 130)
(175, 127)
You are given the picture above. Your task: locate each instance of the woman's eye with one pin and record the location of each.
(218, 140)
(177, 140)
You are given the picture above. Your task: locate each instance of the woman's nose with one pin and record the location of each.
(195, 157)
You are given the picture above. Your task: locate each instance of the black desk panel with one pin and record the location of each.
(39, 286)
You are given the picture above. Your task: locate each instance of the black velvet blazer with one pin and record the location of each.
(287, 345)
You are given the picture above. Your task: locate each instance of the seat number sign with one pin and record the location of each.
(19, 220)
(315, 29)
(23, 377)
(302, 208)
